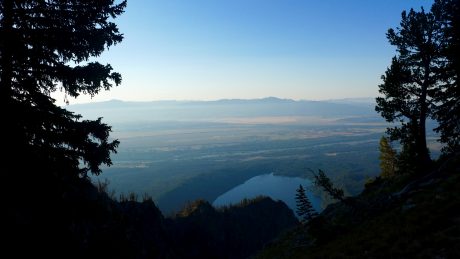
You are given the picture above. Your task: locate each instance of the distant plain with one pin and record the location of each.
(181, 151)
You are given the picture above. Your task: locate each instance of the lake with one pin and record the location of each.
(277, 187)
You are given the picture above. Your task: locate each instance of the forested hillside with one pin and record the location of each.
(51, 209)
(404, 217)
(410, 210)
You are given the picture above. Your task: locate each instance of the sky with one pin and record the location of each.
(244, 49)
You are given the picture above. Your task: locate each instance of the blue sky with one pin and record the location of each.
(215, 49)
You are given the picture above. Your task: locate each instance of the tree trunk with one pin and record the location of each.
(422, 149)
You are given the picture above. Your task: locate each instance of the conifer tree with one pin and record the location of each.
(387, 158)
(447, 113)
(47, 151)
(411, 81)
(325, 183)
(46, 46)
(423, 81)
(305, 209)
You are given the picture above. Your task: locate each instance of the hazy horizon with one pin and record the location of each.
(207, 50)
(350, 99)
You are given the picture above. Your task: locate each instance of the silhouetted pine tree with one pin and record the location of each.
(304, 208)
(423, 81)
(45, 46)
(411, 81)
(48, 151)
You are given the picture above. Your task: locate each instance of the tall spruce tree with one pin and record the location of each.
(411, 81)
(305, 209)
(46, 46)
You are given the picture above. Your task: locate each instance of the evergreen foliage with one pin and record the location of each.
(387, 158)
(410, 216)
(447, 114)
(412, 79)
(304, 208)
(46, 46)
(321, 180)
(422, 81)
(201, 231)
(420, 223)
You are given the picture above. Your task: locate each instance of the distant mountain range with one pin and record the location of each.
(128, 111)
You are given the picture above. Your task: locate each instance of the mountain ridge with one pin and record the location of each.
(116, 111)
(352, 100)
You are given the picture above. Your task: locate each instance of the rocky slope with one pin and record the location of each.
(407, 217)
